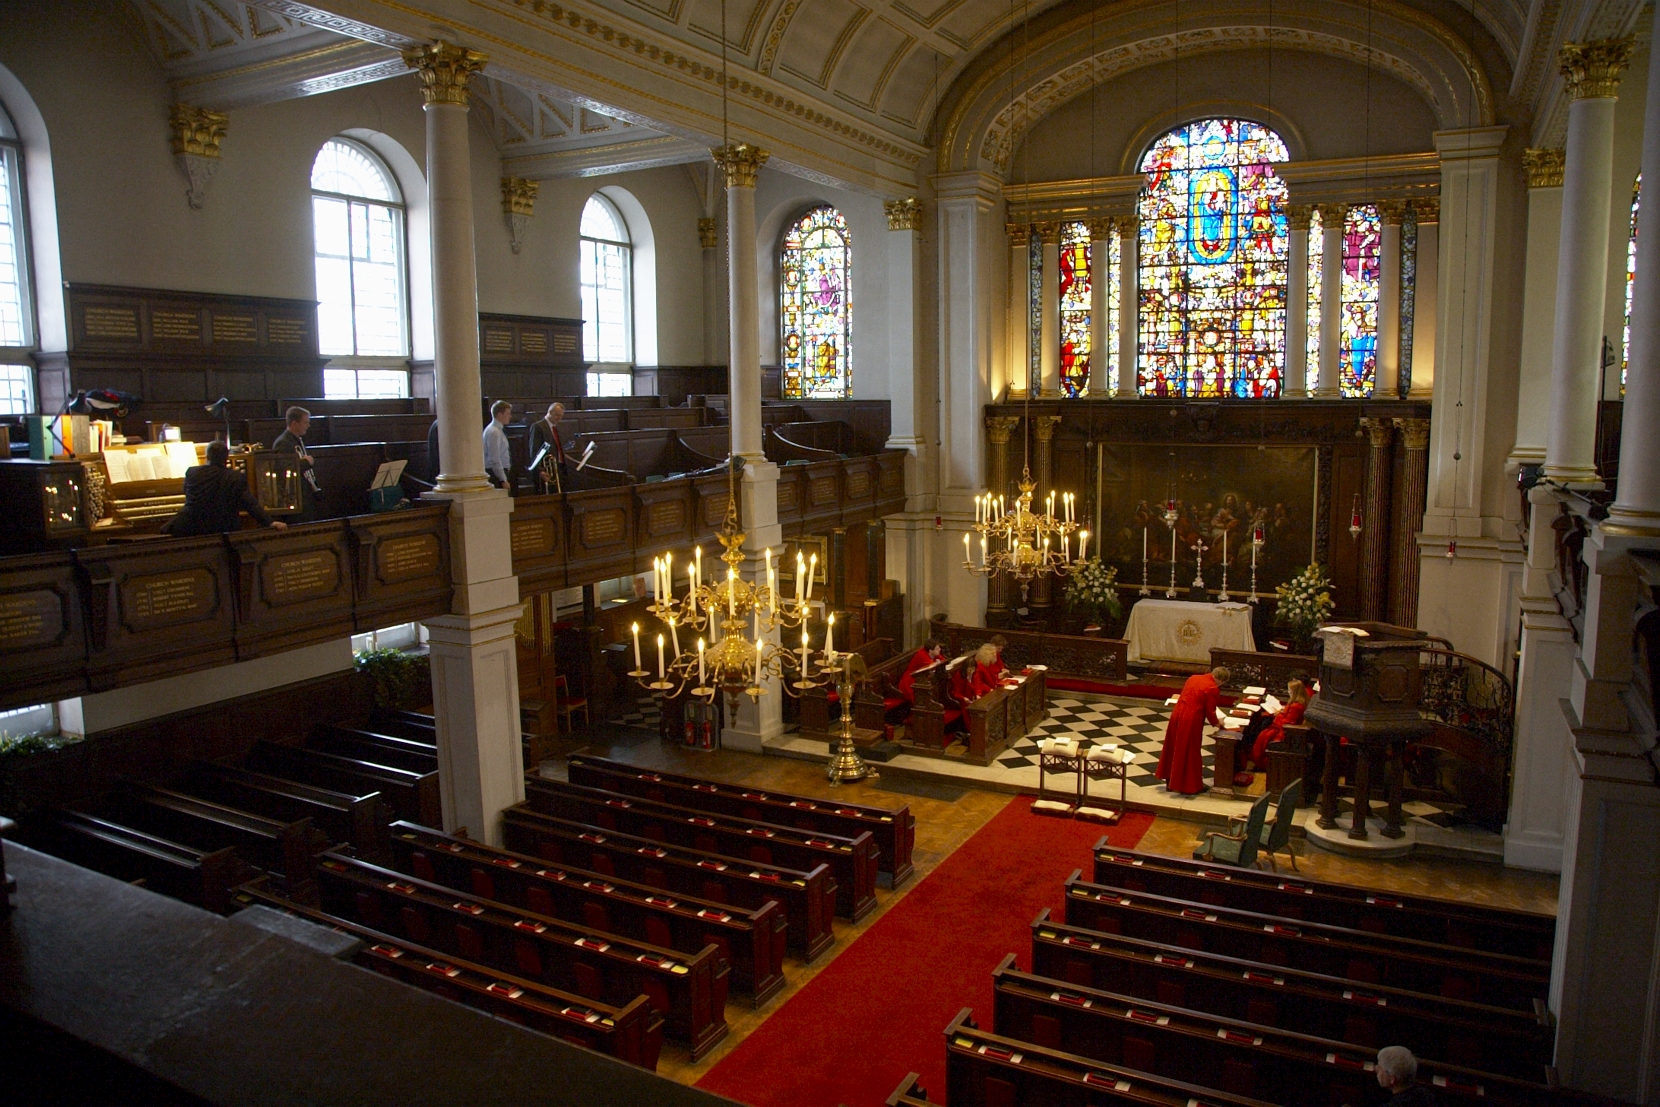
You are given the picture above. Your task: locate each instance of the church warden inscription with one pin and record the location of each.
(301, 576)
(157, 598)
(414, 555)
(29, 619)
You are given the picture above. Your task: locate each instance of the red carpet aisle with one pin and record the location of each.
(878, 1010)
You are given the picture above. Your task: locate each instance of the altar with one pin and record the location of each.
(1184, 630)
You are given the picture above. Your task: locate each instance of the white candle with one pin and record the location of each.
(1172, 544)
(1083, 543)
(656, 580)
(659, 658)
(700, 662)
(982, 551)
(804, 655)
(691, 584)
(758, 646)
(675, 631)
(966, 558)
(829, 639)
(636, 647)
(812, 571)
(1224, 547)
(800, 578)
(1143, 548)
(732, 592)
(697, 565)
(668, 576)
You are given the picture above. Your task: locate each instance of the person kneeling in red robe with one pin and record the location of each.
(1253, 756)
(1180, 764)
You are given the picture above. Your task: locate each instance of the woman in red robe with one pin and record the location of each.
(1180, 764)
(988, 666)
(1296, 702)
(930, 652)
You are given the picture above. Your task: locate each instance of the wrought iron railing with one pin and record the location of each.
(1460, 691)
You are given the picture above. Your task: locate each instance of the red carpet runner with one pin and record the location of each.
(878, 1010)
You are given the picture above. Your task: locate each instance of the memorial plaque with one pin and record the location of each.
(234, 328)
(497, 341)
(118, 323)
(301, 576)
(29, 620)
(858, 486)
(788, 493)
(162, 599)
(564, 343)
(407, 557)
(176, 326)
(600, 528)
(824, 490)
(533, 342)
(714, 509)
(283, 331)
(666, 517)
(533, 538)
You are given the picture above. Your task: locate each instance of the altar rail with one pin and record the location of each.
(1066, 655)
(1261, 668)
(88, 620)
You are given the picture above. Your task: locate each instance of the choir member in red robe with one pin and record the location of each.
(930, 652)
(988, 665)
(1180, 766)
(1296, 702)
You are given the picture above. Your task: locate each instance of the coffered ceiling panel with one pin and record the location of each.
(812, 46)
(870, 62)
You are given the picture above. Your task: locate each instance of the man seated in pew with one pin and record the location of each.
(988, 664)
(544, 435)
(215, 496)
(498, 457)
(1398, 1073)
(1181, 766)
(1266, 727)
(292, 440)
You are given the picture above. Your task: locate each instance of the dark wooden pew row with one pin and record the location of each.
(689, 991)
(1493, 1039)
(910, 1092)
(359, 820)
(422, 728)
(202, 877)
(894, 829)
(411, 795)
(1519, 933)
(1491, 978)
(384, 749)
(1291, 1069)
(852, 861)
(632, 1032)
(987, 1070)
(282, 847)
(752, 942)
(808, 898)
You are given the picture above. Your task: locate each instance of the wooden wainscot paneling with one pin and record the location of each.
(890, 490)
(529, 355)
(401, 566)
(601, 533)
(792, 484)
(821, 506)
(538, 529)
(293, 587)
(42, 631)
(713, 492)
(861, 478)
(665, 518)
(156, 609)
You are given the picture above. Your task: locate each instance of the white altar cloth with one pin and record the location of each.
(1181, 630)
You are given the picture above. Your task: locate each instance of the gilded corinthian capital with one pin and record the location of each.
(444, 69)
(1299, 216)
(999, 426)
(197, 131)
(1592, 69)
(740, 162)
(903, 215)
(708, 233)
(1544, 167)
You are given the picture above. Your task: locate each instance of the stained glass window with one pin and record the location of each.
(1115, 254)
(1316, 271)
(1213, 245)
(1075, 278)
(1034, 312)
(1362, 254)
(816, 307)
(1409, 295)
(1630, 278)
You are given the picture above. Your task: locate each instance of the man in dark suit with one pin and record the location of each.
(292, 440)
(544, 433)
(215, 495)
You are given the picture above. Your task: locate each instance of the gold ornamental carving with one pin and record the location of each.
(1332, 215)
(518, 204)
(1044, 427)
(1298, 217)
(708, 233)
(1427, 209)
(197, 131)
(903, 215)
(1392, 211)
(998, 428)
(1382, 431)
(1128, 226)
(740, 162)
(1414, 433)
(1544, 167)
(1099, 229)
(444, 69)
(1020, 234)
(1592, 69)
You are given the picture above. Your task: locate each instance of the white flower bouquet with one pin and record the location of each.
(1091, 590)
(1304, 603)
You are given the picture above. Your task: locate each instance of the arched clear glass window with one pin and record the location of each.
(17, 316)
(1357, 354)
(607, 284)
(1630, 278)
(362, 278)
(815, 307)
(1213, 247)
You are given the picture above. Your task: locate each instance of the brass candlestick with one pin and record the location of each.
(846, 765)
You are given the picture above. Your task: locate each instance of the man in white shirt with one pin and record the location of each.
(498, 459)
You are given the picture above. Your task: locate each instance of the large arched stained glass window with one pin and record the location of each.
(1075, 291)
(1213, 247)
(1362, 253)
(1630, 278)
(815, 310)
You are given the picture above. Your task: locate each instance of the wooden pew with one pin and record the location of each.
(202, 877)
(910, 1092)
(1005, 714)
(987, 1070)
(1295, 1070)
(411, 795)
(1492, 978)
(751, 941)
(358, 820)
(382, 749)
(284, 847)
(1469, 925)
(935, 714)
(894, 829)
(878, 694)
(819, 705)
(852, 861)
(632, 1032)
(808, 899)
(424, 729)
(689, 991)
(1492, 1039)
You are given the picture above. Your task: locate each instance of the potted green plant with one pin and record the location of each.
(1092, 593)
(1305, 604)
(400, 679)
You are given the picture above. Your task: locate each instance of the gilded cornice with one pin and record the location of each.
(444, 69)
(1298, 217)
(1019, 234)
(1427, 209)
(1392, 212)
(903, 215)
(518, 196)
(197, 131)
(1592, 69)
(740, 162)
(1544, 167)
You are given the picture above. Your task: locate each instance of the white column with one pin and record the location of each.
(740, 163)
(1129, 308)
(475, 673)
(1019, 342)
(1049, 357)
(708, 234)
(1544, 234)
(1592, 71)
(1331, 299)
(968, 291)
(909, 387)
(1100, 326)
(1426, 298)
(1388, 369)
(1298, 217)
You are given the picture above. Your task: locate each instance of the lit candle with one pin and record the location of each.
(800, 577)
(659, 658)
(982, 551)
(668, 577)
(1083, 543)
(812, 571)
(636, 647)
(758, 646)
(804, 654)
(1172, 544)
(697, 565)
(773, 593)
(966, 558)
(829, 639)
(1256, 540)
(656, 580)
(700, 662)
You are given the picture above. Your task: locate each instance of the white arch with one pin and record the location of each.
(51, 321)
(418, 230)
(644, 245)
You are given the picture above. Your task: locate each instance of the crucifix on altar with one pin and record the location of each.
(1199, 549)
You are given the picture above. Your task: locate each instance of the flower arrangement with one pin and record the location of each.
(399, 678)
(1091, 589)
(1305, 604)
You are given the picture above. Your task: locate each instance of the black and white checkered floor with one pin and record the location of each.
(1136, 725)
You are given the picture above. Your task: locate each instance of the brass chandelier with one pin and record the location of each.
(1016, 540)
